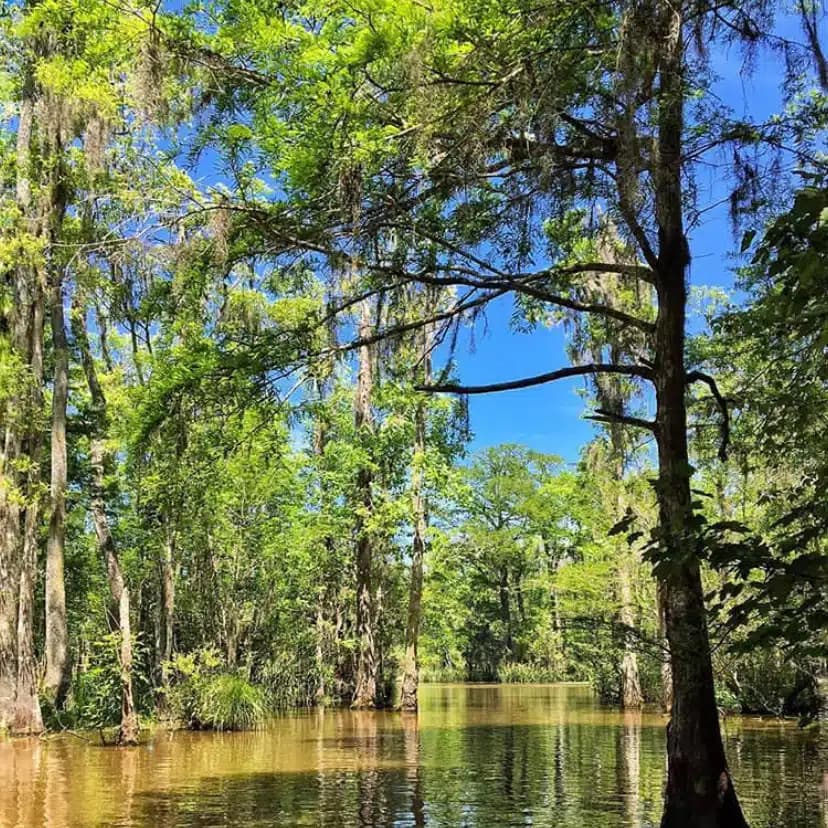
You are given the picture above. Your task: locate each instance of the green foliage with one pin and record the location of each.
(202, 695)
(95, 695)
(511, 672)
(291, 677)
(229, 702)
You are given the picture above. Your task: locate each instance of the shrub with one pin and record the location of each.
(437, 673)
(515, 672)
(764, 681)
(96, 695)
(203, 695)
(292, 677)
(229, 702)
(94, 700)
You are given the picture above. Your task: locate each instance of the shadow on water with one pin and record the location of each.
(473, 757)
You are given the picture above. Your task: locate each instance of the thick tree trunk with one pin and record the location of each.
(366, 689)
(56, 678)
(699, 791)
(9, 576)
(410, 680)
(27, 716)
(19, 707)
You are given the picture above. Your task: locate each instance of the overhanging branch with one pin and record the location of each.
(527, 382)
(524, 284)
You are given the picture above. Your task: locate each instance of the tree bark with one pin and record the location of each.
(366, 689)
(631, 696)
(167, 620)
(56, 678)
(411, 678)
(666, 669)
(699, 791)
(10, 515)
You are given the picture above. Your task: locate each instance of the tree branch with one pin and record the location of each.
(522, 284)
(527, 382)
(458, 308)
(724, 428)
(603, 416)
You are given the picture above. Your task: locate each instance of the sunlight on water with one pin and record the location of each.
(477, 755)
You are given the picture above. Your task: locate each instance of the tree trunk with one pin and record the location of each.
(410, 680)
(328, 577)
(631, 696)
(506, 612)
(27, 716)
(56, 678)
(19, 706)
(320, 693)
(167, 574)
(666, 669)
(365, 691)
(699, 792)
(9, 574)
(119, 592)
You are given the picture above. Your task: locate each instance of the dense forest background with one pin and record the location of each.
(241, 244)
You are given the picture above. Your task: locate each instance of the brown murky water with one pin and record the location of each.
(477, 755)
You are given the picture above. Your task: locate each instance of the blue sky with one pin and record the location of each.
(551, 417)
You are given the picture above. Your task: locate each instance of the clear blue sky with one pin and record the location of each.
(551, 417)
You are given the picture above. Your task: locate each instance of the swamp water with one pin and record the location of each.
(477, 755)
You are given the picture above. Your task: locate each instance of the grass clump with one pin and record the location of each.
(202, 695)
(517, 672)
(230, 702)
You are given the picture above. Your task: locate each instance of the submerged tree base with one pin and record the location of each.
(725, 812)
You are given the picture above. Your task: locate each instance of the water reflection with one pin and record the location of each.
(475, 756)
